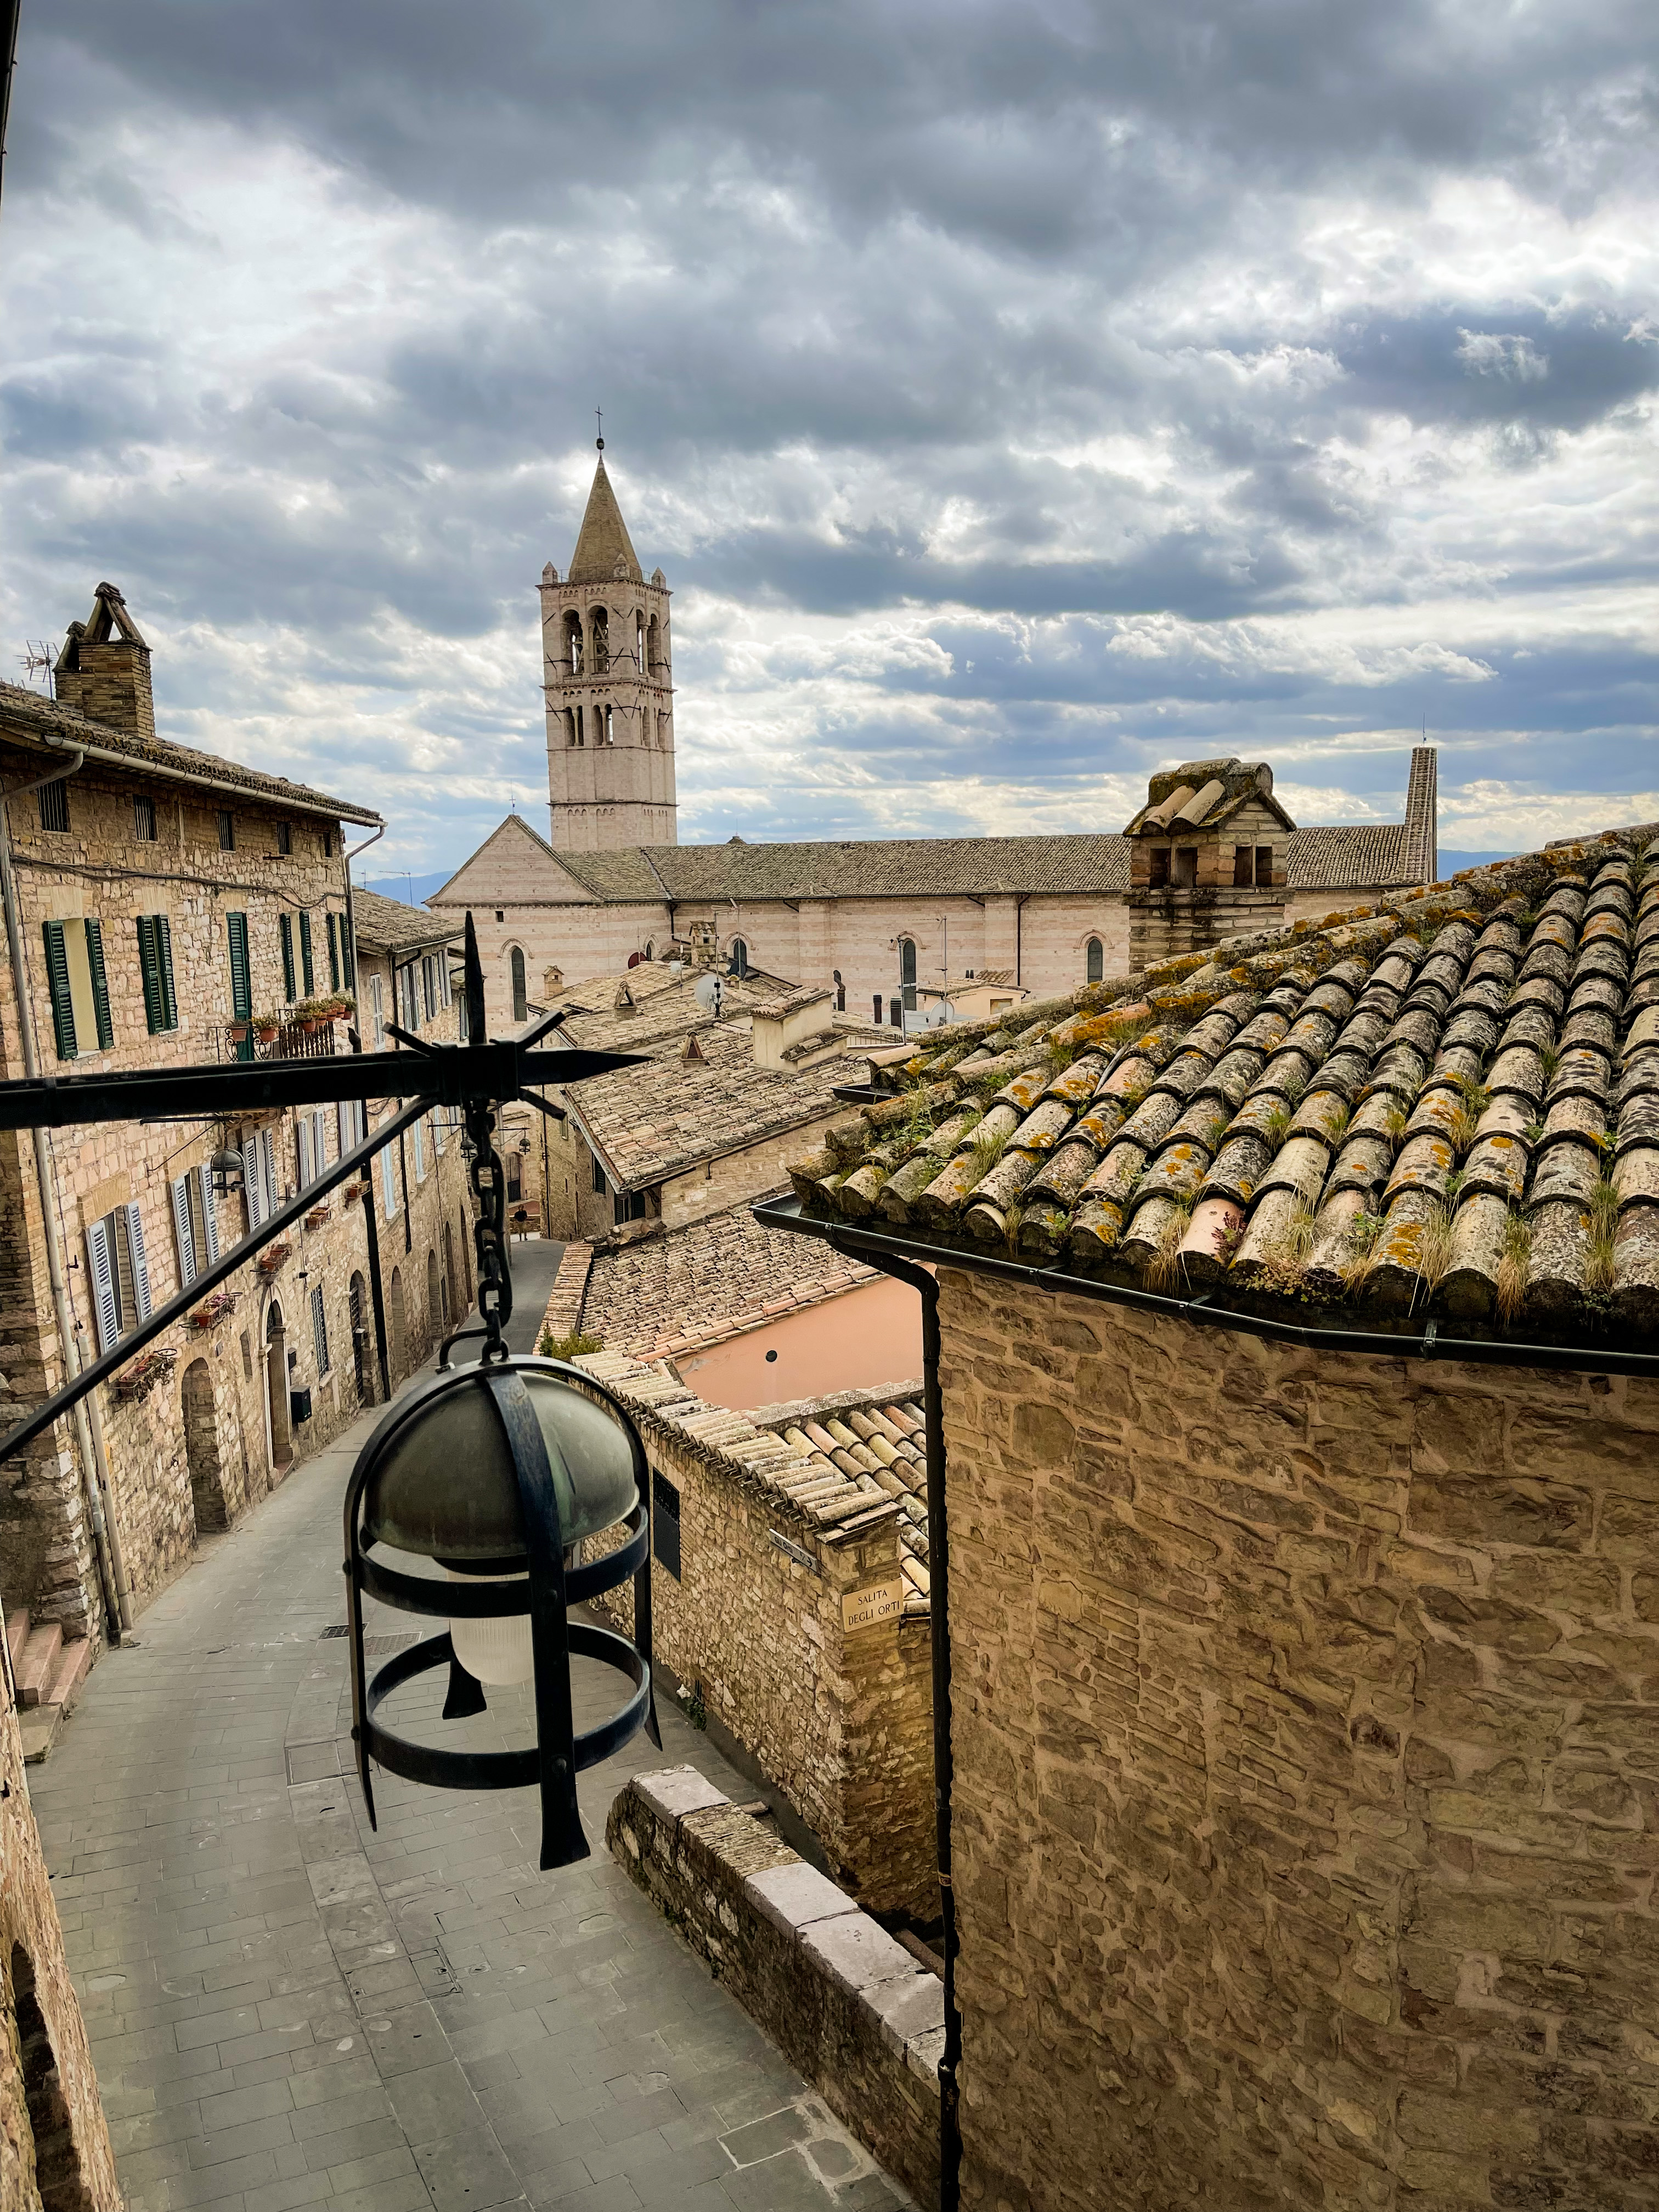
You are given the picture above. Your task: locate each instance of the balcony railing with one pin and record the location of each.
(293, 1040)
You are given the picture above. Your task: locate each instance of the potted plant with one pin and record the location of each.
(237, 1031)
(318, 1215)
(213, 1308)
(144, 1373)
(265, 1027)
(273, 1256)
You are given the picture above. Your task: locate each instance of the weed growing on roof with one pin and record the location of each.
(1283, 1264)
(568, 1348)
(1603, 1227)
(1013, 1220)
(1359, 1262)
(1513, 1266)
(1474, 1098)
(1274, 1125)
(1059, 1055)
(1534, 1131)
(1550, 1055)
(1454, 1186)
(1337, 1127)
(1164, 1265)
(986, 1150)
(1394, 1125)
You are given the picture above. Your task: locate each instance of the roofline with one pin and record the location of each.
(667, 1174)
(1429, 1342)
(74, 731)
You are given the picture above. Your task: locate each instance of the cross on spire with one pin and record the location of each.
(598, 417)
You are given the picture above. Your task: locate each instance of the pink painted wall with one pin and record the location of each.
(865, 1337)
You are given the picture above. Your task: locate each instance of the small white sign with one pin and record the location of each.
(864, 1608)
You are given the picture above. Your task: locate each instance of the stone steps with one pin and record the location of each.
(49, 1668)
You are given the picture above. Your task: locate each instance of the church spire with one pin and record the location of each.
(604, 537)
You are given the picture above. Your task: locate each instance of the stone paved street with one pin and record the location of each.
(287, 2009)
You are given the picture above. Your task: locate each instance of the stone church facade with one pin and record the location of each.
(884, 923)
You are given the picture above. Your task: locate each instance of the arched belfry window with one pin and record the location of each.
(1097, 958)
(639, 640)
(601, 640)
(653, 646)
(570, 736)
(520, 992)
(610, 727)
(908, 972)
(573, 643)
(740, 956)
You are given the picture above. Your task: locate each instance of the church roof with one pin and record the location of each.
(604, 536)
(887, 867)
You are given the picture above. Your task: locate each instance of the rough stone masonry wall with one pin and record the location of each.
(1307, 1770)
(840, 1720)
(53, 2141)
(839, 1997)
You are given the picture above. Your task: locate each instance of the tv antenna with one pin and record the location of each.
(35, 658)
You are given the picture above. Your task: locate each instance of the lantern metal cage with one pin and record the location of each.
(470, 1469)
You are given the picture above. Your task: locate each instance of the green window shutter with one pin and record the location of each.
(333, 951)
(100, 984)
(306, 972)
(150, 969)
(164, 964)
(241, 980)
(285, 926)
(58, 982)
(348, 958)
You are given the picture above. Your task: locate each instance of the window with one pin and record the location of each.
(408, 1005)
(434, 983)
(1264, 864)
(740, 958)
(259, 1177)
(878, 1006)
(319, 1330)
(377, 1010)
(388, 1183)
(610, 727)
(628, 1206)
(54, 805)
(601, 621)
(308, 974)
(155, 967)
(333, 922)
(1158, 863)
(600, 1186)
(284, 837)
(195, 1223)
(143, 818)
(310, 1138)
(118, 1272)
(438, 1125)
(418, 1134)
(665, 1523)
(639, 640)
(1244, 866)
(1095, 954)
(241, 978)
(351, 1116)
(514, 1177)
(907, 952)
(227, 831)
(1183, 868)
(653, 646)
(896, 1012)
(78, 986)
(573, 641)
(328, 844)
(285, 931)
(520, 994)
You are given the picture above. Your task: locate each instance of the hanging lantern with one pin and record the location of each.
(496, 1474)
(225, 1169)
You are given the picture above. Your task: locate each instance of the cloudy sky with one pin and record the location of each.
(1018, 396)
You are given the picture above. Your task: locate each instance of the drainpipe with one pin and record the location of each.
(88, 1420)
(939, 1584)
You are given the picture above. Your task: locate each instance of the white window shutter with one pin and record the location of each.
(140, 1265)
(342, 1125)
(303, 1129)
(319, 1138)
(268, 1155)
(210, 1215)
(182, 1230)
(252, 1183)
(106, 1305)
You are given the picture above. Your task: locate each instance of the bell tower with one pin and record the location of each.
(607, 673)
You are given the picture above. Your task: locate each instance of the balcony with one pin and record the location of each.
(292, 1040)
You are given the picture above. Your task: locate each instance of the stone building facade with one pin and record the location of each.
(55, 2152)
(1311, 1862)
(175, 908)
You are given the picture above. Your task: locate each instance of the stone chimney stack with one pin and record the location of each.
(1207, 858)
(1423, 817)
(104, 668)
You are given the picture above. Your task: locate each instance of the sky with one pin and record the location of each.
(1018, 397)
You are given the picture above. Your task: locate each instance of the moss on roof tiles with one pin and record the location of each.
(1445, 1104)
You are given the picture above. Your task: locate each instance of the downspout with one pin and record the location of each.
(88, 1420)
(938, 1619)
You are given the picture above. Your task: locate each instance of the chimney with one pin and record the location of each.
(1423, 817)
(796, 1031)
(104, 668)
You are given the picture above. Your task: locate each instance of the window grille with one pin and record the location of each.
(143, 818)
(319, 1330)
(227, 831)
(54, 805)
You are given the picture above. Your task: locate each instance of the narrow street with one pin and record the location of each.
(289, 2009)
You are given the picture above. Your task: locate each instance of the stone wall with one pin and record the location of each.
(843, 2001)
(54, 2146)
(1305, 1732)
(839, 1719)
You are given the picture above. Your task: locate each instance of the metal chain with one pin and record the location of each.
(489, 1188)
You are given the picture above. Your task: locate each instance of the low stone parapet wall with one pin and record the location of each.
(843, 2001)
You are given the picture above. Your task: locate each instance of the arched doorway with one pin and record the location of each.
(277, 1427)
(58, 2177)
(435, 1314)
(356, 1304)
(207, 1474)
(399, 1326)
(449, 1285)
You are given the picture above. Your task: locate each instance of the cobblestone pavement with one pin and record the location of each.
(289, 2009)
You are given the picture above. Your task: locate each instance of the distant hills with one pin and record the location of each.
(410, 890)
